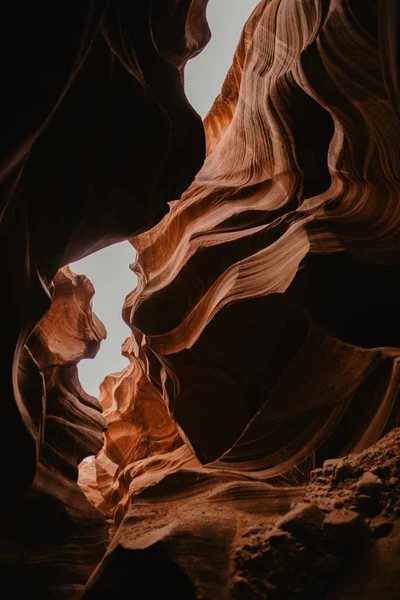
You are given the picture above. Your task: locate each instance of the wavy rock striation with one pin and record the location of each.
(265, 335)
(105, 140)
(97, 137)
(54, 537)
(264, 325)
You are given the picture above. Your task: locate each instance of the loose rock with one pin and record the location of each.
(343, 471)
(370, 484)
(339, 468)
(345, 526)
(367, 505)
(303, 521)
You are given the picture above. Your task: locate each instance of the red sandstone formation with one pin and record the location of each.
(52, 537)
(97, 137)
(251, 449)
(235, 311)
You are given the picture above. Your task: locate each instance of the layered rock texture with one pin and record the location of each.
(251, 449)
(52, 536)
(97, 136)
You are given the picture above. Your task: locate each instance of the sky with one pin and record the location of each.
(108, 269)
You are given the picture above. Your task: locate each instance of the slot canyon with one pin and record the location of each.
(249, 449)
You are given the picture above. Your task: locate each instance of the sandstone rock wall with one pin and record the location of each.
(265, 332)
(97, 136)
(265, 317)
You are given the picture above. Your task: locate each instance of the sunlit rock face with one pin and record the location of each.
(265, 319)
(265, 332)
(260, 295)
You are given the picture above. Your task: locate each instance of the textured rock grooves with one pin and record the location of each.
(97, 137)
(265, 334)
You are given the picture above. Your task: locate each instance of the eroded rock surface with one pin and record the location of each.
(258, 319)
(96, 137)
(231, 536)
(251, 449)
(263, 288)
(53, 537)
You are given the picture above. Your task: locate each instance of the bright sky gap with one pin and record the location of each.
(108, 269)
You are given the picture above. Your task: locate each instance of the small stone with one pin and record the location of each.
(279, 538)
(381, 471)
(339, 468)
(393, 481)
(344, 470)
(370, 484)
(345, 527)
(305, 520)
(329, 466)
(367, 505)
(381, 528)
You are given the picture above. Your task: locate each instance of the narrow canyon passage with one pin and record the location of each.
(108, 269)
(221, 419)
